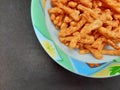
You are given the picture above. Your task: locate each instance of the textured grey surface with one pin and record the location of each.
(24, 65)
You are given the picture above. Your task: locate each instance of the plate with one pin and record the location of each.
(84, 65)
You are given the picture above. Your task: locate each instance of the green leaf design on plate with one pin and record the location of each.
(117, 60)
(39, 18)
(65, 62)
(114, 70)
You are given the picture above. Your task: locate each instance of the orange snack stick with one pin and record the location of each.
(97, 35)
(97, 3)
(55, 10)
(53, 2)
(98, 43)
(84, 51)
(67, 19)
(117, 16)
(112, 23)
(73, 23)
(113, 4)
(88, 17)
(110, 42)
(63, 1)
(111, 52)
(73, 29)
(102, 46)
(86, 3)
(72, 4)
(81, 45)
(95, 52)
(108, 34)
(64, 26)
(93, 26)
(52, 17)
(73, 13)
(85, 9)
(73, 42)
(87, 39)
(66, 39)
(58, 20)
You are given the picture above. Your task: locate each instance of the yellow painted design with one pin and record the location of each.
(105, 72)
(49, 48)
(44, 3)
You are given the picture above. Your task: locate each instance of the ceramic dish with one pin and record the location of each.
(84, 65)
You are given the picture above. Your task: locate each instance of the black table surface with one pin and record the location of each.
(24, 65)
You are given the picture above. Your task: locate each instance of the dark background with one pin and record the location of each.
(24, 65)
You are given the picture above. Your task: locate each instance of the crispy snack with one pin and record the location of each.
(71, 29)
(96, 53)
(98, 44)
(110, 42)
(88, 25)
(88, 28)
(111, 52)
(113, 4)
(109, 33)
(84, 51)
(86, 3)
(72, 4)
